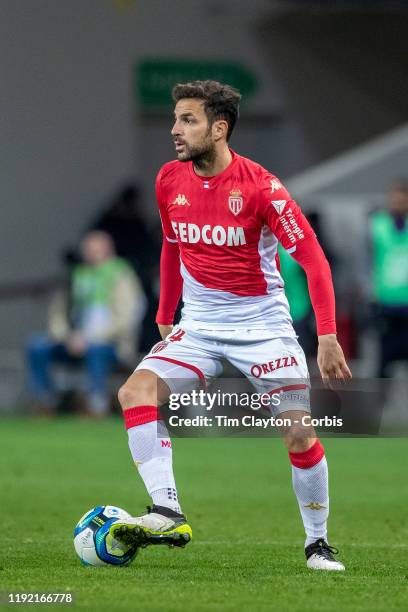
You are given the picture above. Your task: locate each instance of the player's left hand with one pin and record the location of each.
(330, 359)
(165, 330)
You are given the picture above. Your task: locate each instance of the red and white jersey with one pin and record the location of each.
(227, 228)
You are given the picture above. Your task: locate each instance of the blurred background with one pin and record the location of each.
(85, 119)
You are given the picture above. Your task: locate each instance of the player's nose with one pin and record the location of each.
(175, 131)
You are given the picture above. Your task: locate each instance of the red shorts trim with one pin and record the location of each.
(308, 458)
(183, 365)
(288, 388)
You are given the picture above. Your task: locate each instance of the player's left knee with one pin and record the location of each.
(299, 444)
(299, 439)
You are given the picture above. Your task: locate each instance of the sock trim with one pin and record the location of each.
(309, 458)
(139, 415)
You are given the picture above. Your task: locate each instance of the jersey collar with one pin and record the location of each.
(211, 181)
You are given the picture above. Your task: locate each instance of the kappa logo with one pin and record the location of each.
(279, 205)
(315, 506)
(275, 185)
(181, 200)
(235, 201)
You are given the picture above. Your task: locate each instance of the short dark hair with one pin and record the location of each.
(220, 101)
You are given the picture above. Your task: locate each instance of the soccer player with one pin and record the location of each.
(222, 217)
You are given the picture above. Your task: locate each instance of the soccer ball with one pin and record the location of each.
(94, 545)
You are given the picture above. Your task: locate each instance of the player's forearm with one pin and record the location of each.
(310, 256)
(171, 283)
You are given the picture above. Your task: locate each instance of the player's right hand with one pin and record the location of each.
(165, 330)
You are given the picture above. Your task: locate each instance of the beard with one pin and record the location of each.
(200, 155)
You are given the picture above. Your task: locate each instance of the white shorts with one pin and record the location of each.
(188, 359)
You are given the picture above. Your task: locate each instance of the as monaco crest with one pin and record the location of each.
(235, 201)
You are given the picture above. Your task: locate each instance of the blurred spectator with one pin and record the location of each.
(123, 221)
(95, 322)
(315, 220)
(389, 239)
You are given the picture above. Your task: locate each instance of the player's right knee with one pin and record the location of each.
(138, 390)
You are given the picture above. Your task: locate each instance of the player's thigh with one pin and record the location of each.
(277, 367)
(183, 361)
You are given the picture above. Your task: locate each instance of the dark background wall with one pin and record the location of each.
(343, 73)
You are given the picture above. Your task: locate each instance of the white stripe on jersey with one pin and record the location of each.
(206, 308)
(267, 248)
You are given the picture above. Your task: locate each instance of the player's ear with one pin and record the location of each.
(220, 129)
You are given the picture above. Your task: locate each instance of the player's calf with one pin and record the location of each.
(149, 441)
(311, 487)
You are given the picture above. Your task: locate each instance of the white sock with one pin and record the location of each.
(311, 486)
(151, 450)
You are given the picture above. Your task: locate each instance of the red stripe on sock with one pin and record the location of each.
(309, 458)
(140, 415)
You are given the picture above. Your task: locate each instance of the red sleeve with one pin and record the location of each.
(284, 217)
(309, 254)
(171, 281)
(168, 232)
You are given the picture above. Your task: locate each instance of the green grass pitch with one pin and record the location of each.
(247, 551)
